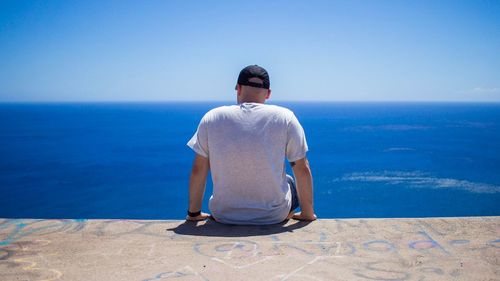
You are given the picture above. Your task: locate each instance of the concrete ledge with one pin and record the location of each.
(354, 249)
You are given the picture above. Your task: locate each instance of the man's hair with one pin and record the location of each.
(252, 90)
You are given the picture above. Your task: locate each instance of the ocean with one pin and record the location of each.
(130, 160)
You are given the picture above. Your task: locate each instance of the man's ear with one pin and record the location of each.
(238, 89)
(268, 94)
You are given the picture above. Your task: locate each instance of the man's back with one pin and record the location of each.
(246, 145)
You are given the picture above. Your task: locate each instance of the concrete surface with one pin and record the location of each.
(356, 249)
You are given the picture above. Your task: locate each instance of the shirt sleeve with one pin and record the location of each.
(296, 145)
(199, 141)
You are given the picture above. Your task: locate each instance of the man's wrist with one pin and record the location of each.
(194, 214)
(307, 211)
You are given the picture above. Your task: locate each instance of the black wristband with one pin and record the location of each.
(194, 214)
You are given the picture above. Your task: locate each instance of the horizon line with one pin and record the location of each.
(234, 102)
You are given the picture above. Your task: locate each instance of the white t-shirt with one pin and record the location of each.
(246, 145)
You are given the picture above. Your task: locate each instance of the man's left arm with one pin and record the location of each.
(197, 183)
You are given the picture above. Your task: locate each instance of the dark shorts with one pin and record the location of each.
(293, 188)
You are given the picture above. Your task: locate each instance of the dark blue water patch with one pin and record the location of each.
(361, 199)
(130, 160)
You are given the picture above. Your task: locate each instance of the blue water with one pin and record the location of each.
(130, 160)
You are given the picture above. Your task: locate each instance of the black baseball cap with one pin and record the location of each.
(254, 71)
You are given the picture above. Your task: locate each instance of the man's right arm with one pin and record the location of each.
(303, 178)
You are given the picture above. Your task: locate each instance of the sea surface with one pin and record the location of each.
(130, 160)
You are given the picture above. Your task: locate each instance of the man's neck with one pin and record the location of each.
(251, 100)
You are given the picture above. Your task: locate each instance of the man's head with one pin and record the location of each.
(253, 85)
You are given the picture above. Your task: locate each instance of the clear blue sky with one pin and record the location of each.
(193, 50)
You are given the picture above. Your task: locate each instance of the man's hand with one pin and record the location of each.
(200, 217)
(304, 217)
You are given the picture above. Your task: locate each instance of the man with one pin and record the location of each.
(244, 146)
